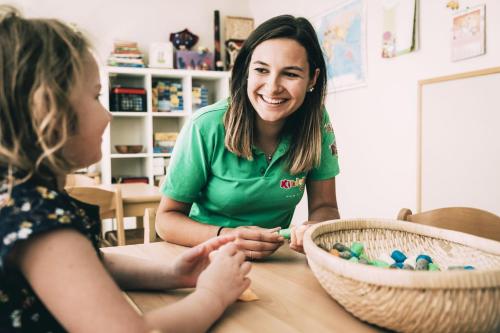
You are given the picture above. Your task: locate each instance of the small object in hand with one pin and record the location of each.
(346, 254)
(334, 252)
(398, 256)
(286, 233)
(248, 295)
(357, 249)
(340, 247)
(434, 267)
(423, 262)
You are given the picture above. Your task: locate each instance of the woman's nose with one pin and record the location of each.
(273, 84)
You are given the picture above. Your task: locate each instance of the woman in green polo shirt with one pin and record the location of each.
(241, 165)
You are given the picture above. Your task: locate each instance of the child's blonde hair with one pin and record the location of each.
(41, 61)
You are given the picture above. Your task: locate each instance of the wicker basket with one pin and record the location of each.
(410, 301)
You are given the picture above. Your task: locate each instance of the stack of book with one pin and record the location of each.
(126, 54)
(164, 142)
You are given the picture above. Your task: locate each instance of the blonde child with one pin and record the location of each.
(52, 276)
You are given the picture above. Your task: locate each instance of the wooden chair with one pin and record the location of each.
(469, 220)
(110, 204)
(149, 225)
(75, 179)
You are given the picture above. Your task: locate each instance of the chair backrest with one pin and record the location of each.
(109, 201)
(149, 225)
(464, 219)
(74, 179)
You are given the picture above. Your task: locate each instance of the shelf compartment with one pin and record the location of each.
(131, 167)
(140, 155)
(135, 133)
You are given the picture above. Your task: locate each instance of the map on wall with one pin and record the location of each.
(341, 33)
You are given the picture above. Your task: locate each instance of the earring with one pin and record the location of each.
(311, 89)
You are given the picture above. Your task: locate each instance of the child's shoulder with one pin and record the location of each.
(30, 208)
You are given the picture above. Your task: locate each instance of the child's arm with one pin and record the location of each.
(183, 272)
(65, 272)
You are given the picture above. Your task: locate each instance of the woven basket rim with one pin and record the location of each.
(487, 278)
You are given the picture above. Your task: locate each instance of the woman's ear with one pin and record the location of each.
(312, 84)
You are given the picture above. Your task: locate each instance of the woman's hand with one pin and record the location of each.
(188, 266)
(297, 237)
(256, 242)
(225, 277)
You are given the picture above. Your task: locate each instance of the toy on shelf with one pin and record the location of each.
(123, 99)
(233, 46)
(167, 96)
(183, 40)
(199, 60)
(199, 96)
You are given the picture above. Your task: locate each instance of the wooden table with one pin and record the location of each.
(291, 299)
(136, 197)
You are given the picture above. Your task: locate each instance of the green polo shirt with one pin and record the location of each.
(227, 190)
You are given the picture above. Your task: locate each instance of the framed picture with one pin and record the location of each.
(342, 35)
(468, 33)
(238, 28)
(161, 55)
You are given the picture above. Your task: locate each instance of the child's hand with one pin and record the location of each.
(225, 277)
(188, 266)
(297, 237)
(256, 242)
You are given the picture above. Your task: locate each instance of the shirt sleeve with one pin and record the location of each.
(32, 212)
(189, 167)
(329, 164)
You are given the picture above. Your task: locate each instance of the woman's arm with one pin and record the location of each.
(322, 206)
(174, 226)
(66, 274)
(322, 200)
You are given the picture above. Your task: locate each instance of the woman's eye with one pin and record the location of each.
(291, 74)
(260, 70)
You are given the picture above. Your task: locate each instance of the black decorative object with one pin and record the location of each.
(183, 40)
(219, 66)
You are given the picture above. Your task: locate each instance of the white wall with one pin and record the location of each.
(142, 21)
(376, 125)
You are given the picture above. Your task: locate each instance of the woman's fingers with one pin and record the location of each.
(245, 268)
(261, 235)
(257, 246)
(253, 255)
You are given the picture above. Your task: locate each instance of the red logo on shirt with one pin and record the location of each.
(288, 184)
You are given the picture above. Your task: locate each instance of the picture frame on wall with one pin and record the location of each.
(468, 33)
(238, 28)
(341, 33)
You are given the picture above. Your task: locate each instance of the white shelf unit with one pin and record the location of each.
(137, 128)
